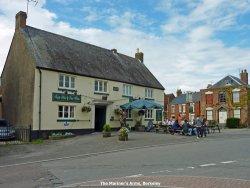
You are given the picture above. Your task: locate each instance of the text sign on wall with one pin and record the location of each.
(66, 97)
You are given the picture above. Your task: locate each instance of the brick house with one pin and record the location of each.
(229, 97)
(184, 106)
(167, 99)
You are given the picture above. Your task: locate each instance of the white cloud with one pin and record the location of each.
(189, 62)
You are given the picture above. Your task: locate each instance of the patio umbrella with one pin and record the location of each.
(141, 104)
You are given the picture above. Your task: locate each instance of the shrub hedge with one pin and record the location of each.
(233, 123)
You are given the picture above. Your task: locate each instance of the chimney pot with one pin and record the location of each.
(139, 55)
(21, 19)
(178, 92)
(114, 50)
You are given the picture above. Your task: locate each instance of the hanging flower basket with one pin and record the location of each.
(86, 109)
(118, 111)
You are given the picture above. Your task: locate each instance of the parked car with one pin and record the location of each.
(7, 132)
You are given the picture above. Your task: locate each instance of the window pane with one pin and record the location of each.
(124, 89)
(100, 86)
(72, 82)
(105, 86)
(72, 114)
(66, 111)
(61, 80)
(236, 97)
(66, 81)
(96, 85)
(60, 111)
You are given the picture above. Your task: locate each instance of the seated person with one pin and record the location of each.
(175, 127)
(186, 127)
(150, 126)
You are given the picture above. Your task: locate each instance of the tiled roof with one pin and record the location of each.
(228, 80)
(182, 99)
(59, 53)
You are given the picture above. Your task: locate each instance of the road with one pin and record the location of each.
(220, 161)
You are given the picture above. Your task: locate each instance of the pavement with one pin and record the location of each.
(147, 159)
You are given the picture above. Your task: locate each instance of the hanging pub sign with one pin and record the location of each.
(62, 97)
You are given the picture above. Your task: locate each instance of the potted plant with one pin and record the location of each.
(106, 131)
(123, 134)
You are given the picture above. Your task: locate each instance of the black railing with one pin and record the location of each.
(17, 133)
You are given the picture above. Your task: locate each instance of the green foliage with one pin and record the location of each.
(106, 128)
(233, 123)
(123, 132)
(37, 141)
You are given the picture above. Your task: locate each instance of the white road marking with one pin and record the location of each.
(209, 164)
(191, 167)
(227, 162)
(160, 171)
(132, 176)
(180, 169)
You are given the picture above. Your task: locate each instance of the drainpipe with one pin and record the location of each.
(40, 101)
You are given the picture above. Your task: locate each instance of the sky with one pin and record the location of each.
(187, 44)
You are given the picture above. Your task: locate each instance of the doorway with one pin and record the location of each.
(222, 116)
(100, 117)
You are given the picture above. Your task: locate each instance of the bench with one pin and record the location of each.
(212, 128)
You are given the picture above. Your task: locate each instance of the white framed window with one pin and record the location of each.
(101, 86)
(222, 97)
(66, 112)
(127, 90)
(173, 108)
(180, 108)
(184, 108)
(191, 108)
(149, 114)
(66, 81)
(148, 93)
(209, 115)
(236, 96)
(129, 114)
(237, 113)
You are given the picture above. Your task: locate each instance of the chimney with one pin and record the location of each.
(178, 92)
(139, 55)
(21, 20)
(244, 76)
(114, 50)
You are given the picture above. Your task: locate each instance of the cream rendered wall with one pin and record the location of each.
(85, 87)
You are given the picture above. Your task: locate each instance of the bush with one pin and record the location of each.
(106, 128)
(233, 123)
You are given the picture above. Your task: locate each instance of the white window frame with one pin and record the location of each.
(172, 108)
(180, 107)
(129, 113)
(238, 114)
(149, 114)
(102, 86)
(127, 90)
(64, 111)
(71, 81)
(184, 108)
(148, 93)
(209, 114)
(236, 96)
